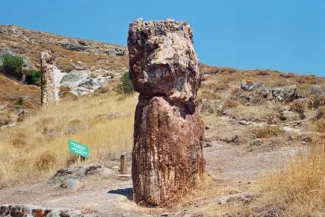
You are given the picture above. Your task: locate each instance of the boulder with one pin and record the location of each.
(250, 86)
(80, 82)
(115, 52)
(162, 59)
(167, 156)
(67, 176)
(286, 94)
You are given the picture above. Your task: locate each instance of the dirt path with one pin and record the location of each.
(230, 159)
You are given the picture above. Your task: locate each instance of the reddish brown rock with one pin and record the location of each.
(167, 153)
(163, 60)
(47, 79)
(167, 157)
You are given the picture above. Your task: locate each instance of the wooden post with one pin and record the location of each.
(124, 164)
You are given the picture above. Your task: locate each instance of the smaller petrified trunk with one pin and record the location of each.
(167, 153)
(47, 79)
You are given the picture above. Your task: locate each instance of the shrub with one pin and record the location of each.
(297, 106)
(45, 161)
(19, 100)
(267, 131)
(125, 86)
(230, 104)
(221, 86)
(36, 77)
(12, 64)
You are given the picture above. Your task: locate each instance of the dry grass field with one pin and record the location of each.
(36, 147)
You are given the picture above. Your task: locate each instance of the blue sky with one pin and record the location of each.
(285, 35)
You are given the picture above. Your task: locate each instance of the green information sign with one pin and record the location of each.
(78, 148)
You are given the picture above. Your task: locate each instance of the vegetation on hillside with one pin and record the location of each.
(125, 86)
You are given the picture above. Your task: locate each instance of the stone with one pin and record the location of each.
(167, 156)
(116, 52)
(13, 210)
(76, 172)
(241, 197)
(48, 91)
(249, 86)
(286, 94)
(162, 59)
(72, 184)
(256, 142)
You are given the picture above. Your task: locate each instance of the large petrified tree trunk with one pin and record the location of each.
(47, 79)
(167, 157)
(167, 154)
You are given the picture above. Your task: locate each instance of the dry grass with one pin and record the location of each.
(267, 131)
(36, 147)
(299, 190)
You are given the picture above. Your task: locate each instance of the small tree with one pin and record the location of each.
(12, 65)
(125, 85)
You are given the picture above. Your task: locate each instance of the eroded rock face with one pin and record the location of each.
(163, 60)
(167, 157)
(48, 90)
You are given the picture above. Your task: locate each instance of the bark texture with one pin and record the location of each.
(167, 157)
(47, 79)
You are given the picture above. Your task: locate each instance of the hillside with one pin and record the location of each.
(263, 139)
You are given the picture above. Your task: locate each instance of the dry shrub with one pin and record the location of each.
(64, 64)
(205, 94)
(230, 104)
(267, 131)
(221, 86)
(45, 161)
(262, 73)
(300, 188)
(20, 141)
(298, 106)
(320, 125)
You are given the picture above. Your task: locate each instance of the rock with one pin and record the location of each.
(162, 59)
(72, 45)
(72, 184)
(318, 113)
(48, 91)
(80, 82)
(116, 52)
(250, 86)
(35, 211)
(80, 66)
(243, 197)
(256, 142)
(76, 172)
(167, 157)
(208, 107)
(286, 94)
(289, 116)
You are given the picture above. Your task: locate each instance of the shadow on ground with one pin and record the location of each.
(127, 192)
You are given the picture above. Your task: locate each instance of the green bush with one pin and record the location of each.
(125, 86)
(12, 64)
(36, 77)
(19, 101)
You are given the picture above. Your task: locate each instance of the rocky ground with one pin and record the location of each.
(233, 162)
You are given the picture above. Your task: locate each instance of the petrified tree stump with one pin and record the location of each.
(47, 79)
(167, 157)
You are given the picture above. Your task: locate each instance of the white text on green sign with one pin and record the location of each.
(78, 148)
